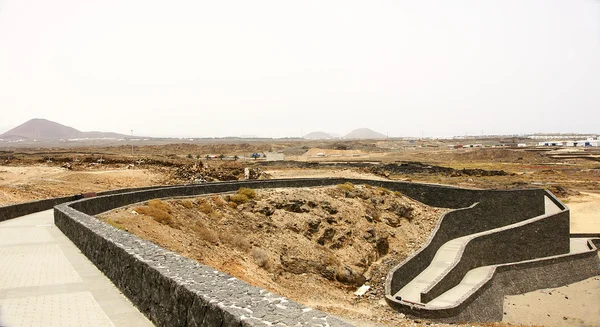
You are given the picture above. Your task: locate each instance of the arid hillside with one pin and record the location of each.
(314, 245)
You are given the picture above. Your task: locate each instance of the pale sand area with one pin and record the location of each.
(574, 305)
(585, 213)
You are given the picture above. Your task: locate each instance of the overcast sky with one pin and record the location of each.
(280, 68)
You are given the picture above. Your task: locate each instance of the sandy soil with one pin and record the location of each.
(585, 213)
(575, 305)
(20, 184)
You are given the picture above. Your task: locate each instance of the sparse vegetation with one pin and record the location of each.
(243, 195)
(383, 190)
(218, 201)
(237, 241)
(159, 210)
(205, 207)
(248, 192)
(261, 258)
(205, 233)
(347, 187)
(188, 204)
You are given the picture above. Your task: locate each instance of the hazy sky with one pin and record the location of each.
(277, 68)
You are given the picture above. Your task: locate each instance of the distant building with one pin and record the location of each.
(589, 142)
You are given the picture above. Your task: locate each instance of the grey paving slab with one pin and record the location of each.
(35, 265)
(46, 281)
(68, 309)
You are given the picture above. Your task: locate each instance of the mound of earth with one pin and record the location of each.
(313, 245)
(364, 134)
(317, 136)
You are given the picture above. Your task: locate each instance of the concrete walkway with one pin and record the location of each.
(46, 281)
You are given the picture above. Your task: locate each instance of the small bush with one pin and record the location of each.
(187, 204)
(368, 186)
(159, 210)
(383, 190)
(261, 258)
(160, 205)
(398, 194)
(238, 198)
(248, 192)
(347, 187)
(237, 241)
(165, 219)
(205, 207)
(206, 234)
(218, 201)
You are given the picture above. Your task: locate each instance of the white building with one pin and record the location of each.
(588, 142)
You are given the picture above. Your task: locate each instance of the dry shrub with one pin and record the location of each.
(232, 205)
(347, 187)
(205, 207)
(248, 192)
(383, 190)
(159, 210)
(238, 198)
(261, 258)
(368, 186)
(205, 233)
(159, 205)
(237, 241)
(398, 194)
(218, 201)
(188, 204)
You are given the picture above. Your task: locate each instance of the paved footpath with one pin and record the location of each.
(46, 281)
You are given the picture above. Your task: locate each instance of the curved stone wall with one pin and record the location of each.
(527, 255)
(175, 291)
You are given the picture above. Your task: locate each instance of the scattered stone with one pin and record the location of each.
(267, 211)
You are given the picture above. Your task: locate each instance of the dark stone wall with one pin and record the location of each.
(21, 209)
(543, 237)
(496, 209)
(103, 251)
(26, 208)
(175, 291)
(486, 303)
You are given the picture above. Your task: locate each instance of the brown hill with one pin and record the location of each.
(43, 129)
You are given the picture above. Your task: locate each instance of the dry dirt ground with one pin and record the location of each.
(574, 305)
(20, 184)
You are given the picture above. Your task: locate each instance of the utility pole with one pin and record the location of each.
(132, 142)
